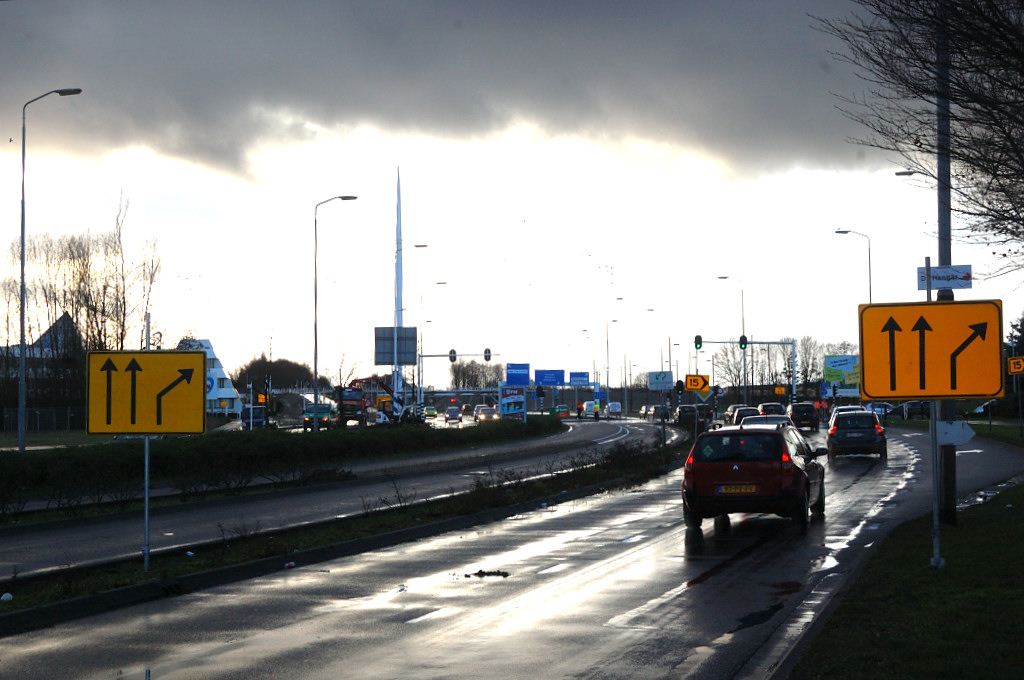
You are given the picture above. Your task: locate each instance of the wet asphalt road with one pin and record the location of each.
(611, 586)
(28, 550)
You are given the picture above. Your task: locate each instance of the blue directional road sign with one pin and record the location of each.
(579, 379)
(517, 374)
(549, 378)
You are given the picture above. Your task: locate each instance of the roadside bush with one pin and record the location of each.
(19, 481)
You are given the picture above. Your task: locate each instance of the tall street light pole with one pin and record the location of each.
(743, 331)
(851, 231)
(22, 386)
(316, 374)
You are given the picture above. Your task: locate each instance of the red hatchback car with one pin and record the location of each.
(759, 468)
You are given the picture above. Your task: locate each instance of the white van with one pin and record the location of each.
(613, 409)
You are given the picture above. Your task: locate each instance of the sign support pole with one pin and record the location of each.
(145, 483)
(937, 560)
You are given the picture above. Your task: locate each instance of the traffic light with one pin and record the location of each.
(698, 341)
(743, 342)
(681, 386)
(833, 390)
(451, 356)
(487, 354)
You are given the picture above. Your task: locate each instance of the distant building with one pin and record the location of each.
(221, 396)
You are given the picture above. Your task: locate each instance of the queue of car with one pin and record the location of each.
(760, 462)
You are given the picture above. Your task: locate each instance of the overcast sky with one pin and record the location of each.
(555, 157)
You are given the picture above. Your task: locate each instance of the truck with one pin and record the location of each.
(351, 405)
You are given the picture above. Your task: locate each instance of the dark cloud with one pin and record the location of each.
(747, 80)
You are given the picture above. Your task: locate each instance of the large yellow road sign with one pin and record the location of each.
(146, 392)
(697, 383)
(931, 350)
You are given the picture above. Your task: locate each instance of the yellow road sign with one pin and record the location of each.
(146, 392)
(697, 383)
(931, 350)
(1015, 365)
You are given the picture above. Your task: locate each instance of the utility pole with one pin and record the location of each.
(946, 463)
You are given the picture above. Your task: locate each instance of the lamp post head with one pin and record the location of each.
(69, 91)
(842, 231)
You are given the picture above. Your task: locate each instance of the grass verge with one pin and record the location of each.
(903, 618)
(623, 465)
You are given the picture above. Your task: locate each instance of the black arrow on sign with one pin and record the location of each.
(979, 330)
(109, 368)
(921, 327)
(891, 327)
(186, 375)
(134, 368)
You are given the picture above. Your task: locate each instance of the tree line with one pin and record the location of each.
(84, 291)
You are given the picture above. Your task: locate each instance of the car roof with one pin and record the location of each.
(752, 427)
(859, 414)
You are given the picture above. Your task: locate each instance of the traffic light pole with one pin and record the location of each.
(743, 342)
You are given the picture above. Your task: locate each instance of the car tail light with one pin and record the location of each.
(832, 431)
(688, 467)
(787, 462)
(878, 429)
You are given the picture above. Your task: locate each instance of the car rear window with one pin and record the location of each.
(738, 447)
(856, 421)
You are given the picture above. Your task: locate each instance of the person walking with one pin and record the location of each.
(579, 410)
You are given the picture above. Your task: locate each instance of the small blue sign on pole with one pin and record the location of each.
(517, 374)
(549, 378)
(579, 379)
(600, 396)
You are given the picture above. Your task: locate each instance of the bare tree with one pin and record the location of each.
(84, 292)
(471, 374)
(810, 360)
(894, 45)
(729, 364)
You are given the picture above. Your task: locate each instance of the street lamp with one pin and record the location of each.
(22, 388)
(743, 332)
(851, 231)
(316, 375)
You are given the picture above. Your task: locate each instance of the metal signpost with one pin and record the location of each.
(933, 350)
(146, 393)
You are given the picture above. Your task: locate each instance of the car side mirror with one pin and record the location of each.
(820, 451)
